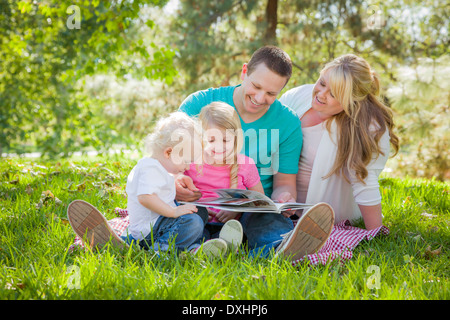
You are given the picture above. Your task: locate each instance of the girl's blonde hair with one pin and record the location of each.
(224, 116)
(170, 131)
(356, 86)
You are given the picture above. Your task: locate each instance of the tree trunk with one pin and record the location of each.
(272, 21)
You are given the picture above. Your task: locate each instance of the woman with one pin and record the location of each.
(347, 132)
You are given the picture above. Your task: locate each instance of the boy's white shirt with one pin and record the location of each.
(335, 190)
(147, 177)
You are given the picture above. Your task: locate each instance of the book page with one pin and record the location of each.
(239, 193)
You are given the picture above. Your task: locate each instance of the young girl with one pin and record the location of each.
(155, 220)
(223, 166)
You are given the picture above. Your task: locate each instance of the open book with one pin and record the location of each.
(245, 201)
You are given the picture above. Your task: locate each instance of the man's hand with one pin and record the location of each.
(286, 197)
(284, 190)
(186, 190)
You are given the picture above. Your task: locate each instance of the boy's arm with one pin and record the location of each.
(155, 204)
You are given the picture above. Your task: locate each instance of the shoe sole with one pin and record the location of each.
(310, 233)
(214, 248)
(232, 233)
(91, 226)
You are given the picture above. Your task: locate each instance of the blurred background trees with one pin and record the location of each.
(45, 56)
(103, 85)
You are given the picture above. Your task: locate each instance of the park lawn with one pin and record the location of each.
(412, 262)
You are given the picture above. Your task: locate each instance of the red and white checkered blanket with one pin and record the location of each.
(343, 239)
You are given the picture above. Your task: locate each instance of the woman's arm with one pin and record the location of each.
(367, 194)
(372, 216)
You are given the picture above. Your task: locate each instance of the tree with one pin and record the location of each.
(421, 99)
(215, 38)
(47, 47)
(225, 33)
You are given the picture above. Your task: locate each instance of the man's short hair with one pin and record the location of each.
(274, 58)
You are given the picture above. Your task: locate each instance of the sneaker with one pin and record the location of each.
(310, 233)
(232, 233)
(91, 226)
(212, 248)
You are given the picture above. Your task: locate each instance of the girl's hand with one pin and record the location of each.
(223, 216)
(186, 190)
(211, 214)
(185, 209)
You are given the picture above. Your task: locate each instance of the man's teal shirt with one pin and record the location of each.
(274, 141)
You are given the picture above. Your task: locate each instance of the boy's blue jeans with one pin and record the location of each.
(264, 230)
(184, 232)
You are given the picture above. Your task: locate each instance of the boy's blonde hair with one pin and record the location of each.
(224, 116)
(170, 131)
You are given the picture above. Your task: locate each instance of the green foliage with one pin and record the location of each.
(131, 107)
(225, 34)
(390, 35)
(421, 100)
(65, 89)
(222, 33)
(44, 54)
(35, 237)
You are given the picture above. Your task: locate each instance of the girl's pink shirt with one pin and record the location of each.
(207, 177)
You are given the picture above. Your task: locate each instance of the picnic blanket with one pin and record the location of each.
(343, 239)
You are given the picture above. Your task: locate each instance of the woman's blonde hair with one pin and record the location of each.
(365, 117)
(223, 116)
(170, 131)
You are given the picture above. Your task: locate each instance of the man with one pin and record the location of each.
(272, 138)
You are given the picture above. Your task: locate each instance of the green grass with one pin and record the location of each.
(35, 237)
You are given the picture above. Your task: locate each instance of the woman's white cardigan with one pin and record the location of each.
(344, 197)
